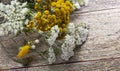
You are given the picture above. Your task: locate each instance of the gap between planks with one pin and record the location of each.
(94, 11)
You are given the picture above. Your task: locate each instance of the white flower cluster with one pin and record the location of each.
(15, 14)
(53, 35)
(78, 3)
(77, 35)
(67, 47)
(81, 35)
(51, 40)
(51, 54)
(71, 28)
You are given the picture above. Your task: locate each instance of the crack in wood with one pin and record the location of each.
(79, 12)
(117, 32)
(62, 63)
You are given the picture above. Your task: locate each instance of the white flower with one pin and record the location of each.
(15, 31)
(78, 39)
(37, 41)
(26, 21)
(24, 10)
(33, 47)
(77, 34)
(83, 2)
(15, 15)
(1, 33)
(80, 2)
(81, 35)
(68, 47)
(86, 2)
(76, 5)
(24, 4)
(51, 54)
(2, 7)
(40, 32)
(71, 28)
(54, 34)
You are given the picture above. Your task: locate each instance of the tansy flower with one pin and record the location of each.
(24, 51)
(39, 14)
(31, 24)
(67, 2)
(61, 1)
(63, 25)
(63, 11)
(38, 1)
(58, 5)
(38, 21)
(46, 12)
(36, 7)
(45, 7)
(53, 16)
(53, 4)
(57, 12)
(60, 29)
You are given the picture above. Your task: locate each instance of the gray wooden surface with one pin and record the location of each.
(101, 52)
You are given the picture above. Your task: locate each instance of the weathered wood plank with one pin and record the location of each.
(96, 5)
(100, 65)
(103, 40)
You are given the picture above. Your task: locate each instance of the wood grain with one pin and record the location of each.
(99, 5)
(103, 17)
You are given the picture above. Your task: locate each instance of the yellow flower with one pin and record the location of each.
(61, 1)
(31, 24)
(68, 8)
(64, 29)
(37, 16)
(45, 7)
(49, 16)
(53, 4)
(46, 12)
(53, 16)
(63, 25)
(38, 21)
(36, 7)
(38, 1)
(44, 16)
(60, 29)
(57, 12)
(58, 5)
(67, 2)
(39, 13)
(63, 11)
(24, 51)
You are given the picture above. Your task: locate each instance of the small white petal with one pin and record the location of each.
(33, 47)
(37, 41)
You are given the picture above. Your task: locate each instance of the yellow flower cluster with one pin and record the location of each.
(62, 10)
(52, 12)
(24, 51)
(30, 24)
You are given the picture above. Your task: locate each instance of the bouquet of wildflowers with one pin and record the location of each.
(51, 20)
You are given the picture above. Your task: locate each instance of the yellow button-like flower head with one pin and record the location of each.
(46, 12)
(38, 1)
(24, 51)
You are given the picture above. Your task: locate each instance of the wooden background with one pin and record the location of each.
(101, 52)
